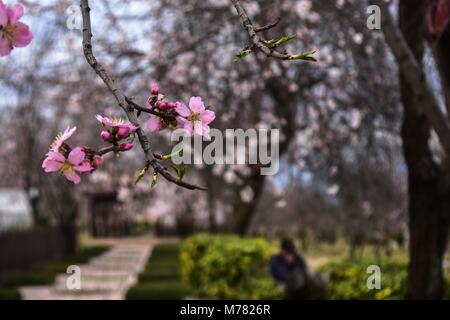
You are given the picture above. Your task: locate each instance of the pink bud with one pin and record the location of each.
(125, 146)
(155, 89)
(106, 135)
(163, 105)
(97, 161)
(123, 132)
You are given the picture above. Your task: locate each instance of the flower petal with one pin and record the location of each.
(15, 13)
(198, 128)
(181, 121)
(196, 104)
(3, 15)
(207, 116)
(76, 156)
(5, 46)
(189, 128)
(205, 129)
(85, 166)
(51, 165)
(72, 176)
(22, 35)
(154, 124)
(56, 156)
(182, 109)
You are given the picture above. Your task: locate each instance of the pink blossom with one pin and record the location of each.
(154, 124)
(70, 167)
(13, 33)
(61, 138)
(118, 127)
(195, 118)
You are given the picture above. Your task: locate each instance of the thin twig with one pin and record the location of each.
(122, 101)
(268, 26)
(106, 150)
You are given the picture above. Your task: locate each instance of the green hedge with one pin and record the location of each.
(348, 279)
(228, 267)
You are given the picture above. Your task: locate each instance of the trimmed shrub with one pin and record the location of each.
(228, 267)
(348, 279)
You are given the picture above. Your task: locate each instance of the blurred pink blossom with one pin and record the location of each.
(12, 32)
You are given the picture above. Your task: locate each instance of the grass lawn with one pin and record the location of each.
(46, 274)
(160, 279)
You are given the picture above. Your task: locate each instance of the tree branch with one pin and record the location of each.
(258, 42)
(122, 100)
(268, 26)
(415, 76)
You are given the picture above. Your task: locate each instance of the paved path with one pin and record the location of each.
(106, 277)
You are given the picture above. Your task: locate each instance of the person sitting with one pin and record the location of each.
(289, 269)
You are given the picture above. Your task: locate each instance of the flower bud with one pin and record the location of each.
(125, 146)
(96, 161)
(123, 132)
(155, 89)
(106, 136)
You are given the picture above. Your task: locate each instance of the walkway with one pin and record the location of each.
(106, 277)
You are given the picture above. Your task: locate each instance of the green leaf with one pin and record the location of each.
(154, 180)
(140, 176)
(180, 171)
(241, 54)
(279, 41)
(170, 156)
(307, 56)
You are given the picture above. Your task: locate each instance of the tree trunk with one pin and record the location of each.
(428, 185)
(286, 110)
(243, 210)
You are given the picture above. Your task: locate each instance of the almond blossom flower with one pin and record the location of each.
(70, 167)
(195, 118)
(118, 127)
(12, 32)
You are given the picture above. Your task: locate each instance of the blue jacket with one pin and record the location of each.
(280, 269)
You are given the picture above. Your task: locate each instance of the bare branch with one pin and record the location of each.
(415, 76)
(122, 100)
(268, 26)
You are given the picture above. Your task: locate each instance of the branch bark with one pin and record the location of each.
(122, 101)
